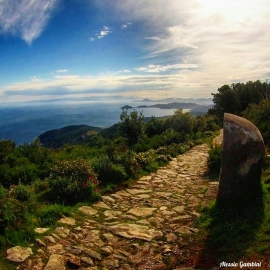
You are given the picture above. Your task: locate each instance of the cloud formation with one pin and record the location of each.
(104, 32)
(227, 39)
(163, 68)
(126, 25)
(25, 18)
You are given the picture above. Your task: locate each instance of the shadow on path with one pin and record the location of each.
(230, 233)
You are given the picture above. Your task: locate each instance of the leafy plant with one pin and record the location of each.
(214, 159)
(73, 181)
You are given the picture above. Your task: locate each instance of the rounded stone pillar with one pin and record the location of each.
(241, 165)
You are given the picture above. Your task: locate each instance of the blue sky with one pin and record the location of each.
(69, 49)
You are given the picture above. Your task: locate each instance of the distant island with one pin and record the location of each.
(194, 107)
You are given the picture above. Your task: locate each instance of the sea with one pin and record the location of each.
(24, 122)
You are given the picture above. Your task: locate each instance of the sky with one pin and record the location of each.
(83, 49)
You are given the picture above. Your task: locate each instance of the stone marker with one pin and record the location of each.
(242, 160)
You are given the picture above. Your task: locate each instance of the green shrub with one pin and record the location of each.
(49, 215)
(73, 181)
(109, 172)
(214, 159)
(24, 193)
(12, 213)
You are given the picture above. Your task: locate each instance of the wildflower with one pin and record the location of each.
(96, 189)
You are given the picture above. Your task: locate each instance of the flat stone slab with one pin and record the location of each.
(131, 231)
(142, 212)
(101, 204)
(139, 191)
(41, 230)
(68, 221)
(108, 199)
(55, 262)
(56, 249)
(112, 214)
(18, 254)
(143, 196)
(63, 232)
(87, 210)
(179, 209)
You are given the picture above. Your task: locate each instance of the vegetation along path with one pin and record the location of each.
(147, 226)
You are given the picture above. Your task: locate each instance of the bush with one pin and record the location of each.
(49, 215)
(24, 193)
(73, 181)
(214, 159)
(12, 213)
(109, 172)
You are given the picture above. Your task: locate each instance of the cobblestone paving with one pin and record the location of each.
(143, 227)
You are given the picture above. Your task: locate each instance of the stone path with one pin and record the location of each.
(147, 226)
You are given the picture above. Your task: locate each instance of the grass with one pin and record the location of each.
(234, 235)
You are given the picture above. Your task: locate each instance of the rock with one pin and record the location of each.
(68, 221)
(111, 263)
(108, 199)
(63, 232)
(131, 231)
(138, 191)
(56, 249)
(74, 262)
(171, 238)
(242, 160)
(101, 205)
(179, 209)
(55, 262)
(112, 214)
(40, 242)
(74, 250)
(107, 250)
(50, 239)
(87, 260)
(92, 254)
(18, 254)
(41, 230)
(87, 210)
(142, 212)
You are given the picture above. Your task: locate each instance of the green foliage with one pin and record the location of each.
(205, 123)
(236, 98)
(131, 127)
(23, 193)
(108, 171)
(259, 114)
(179, 122)
(6, 147)
(73, 181)
(214, 159)
(48, 215)
(154, 127)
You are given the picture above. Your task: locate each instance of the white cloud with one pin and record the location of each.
(104, 32)
(124, 26)
(61, 71)
(25, 18)
(226, 39)
(163, 68)
(124, 71)
(91, 39)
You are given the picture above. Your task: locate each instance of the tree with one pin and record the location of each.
(180, 122)
(154, 127)
(226, 100)
(131, 127)
(259, 115)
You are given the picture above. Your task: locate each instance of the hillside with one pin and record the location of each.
(67, 135)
